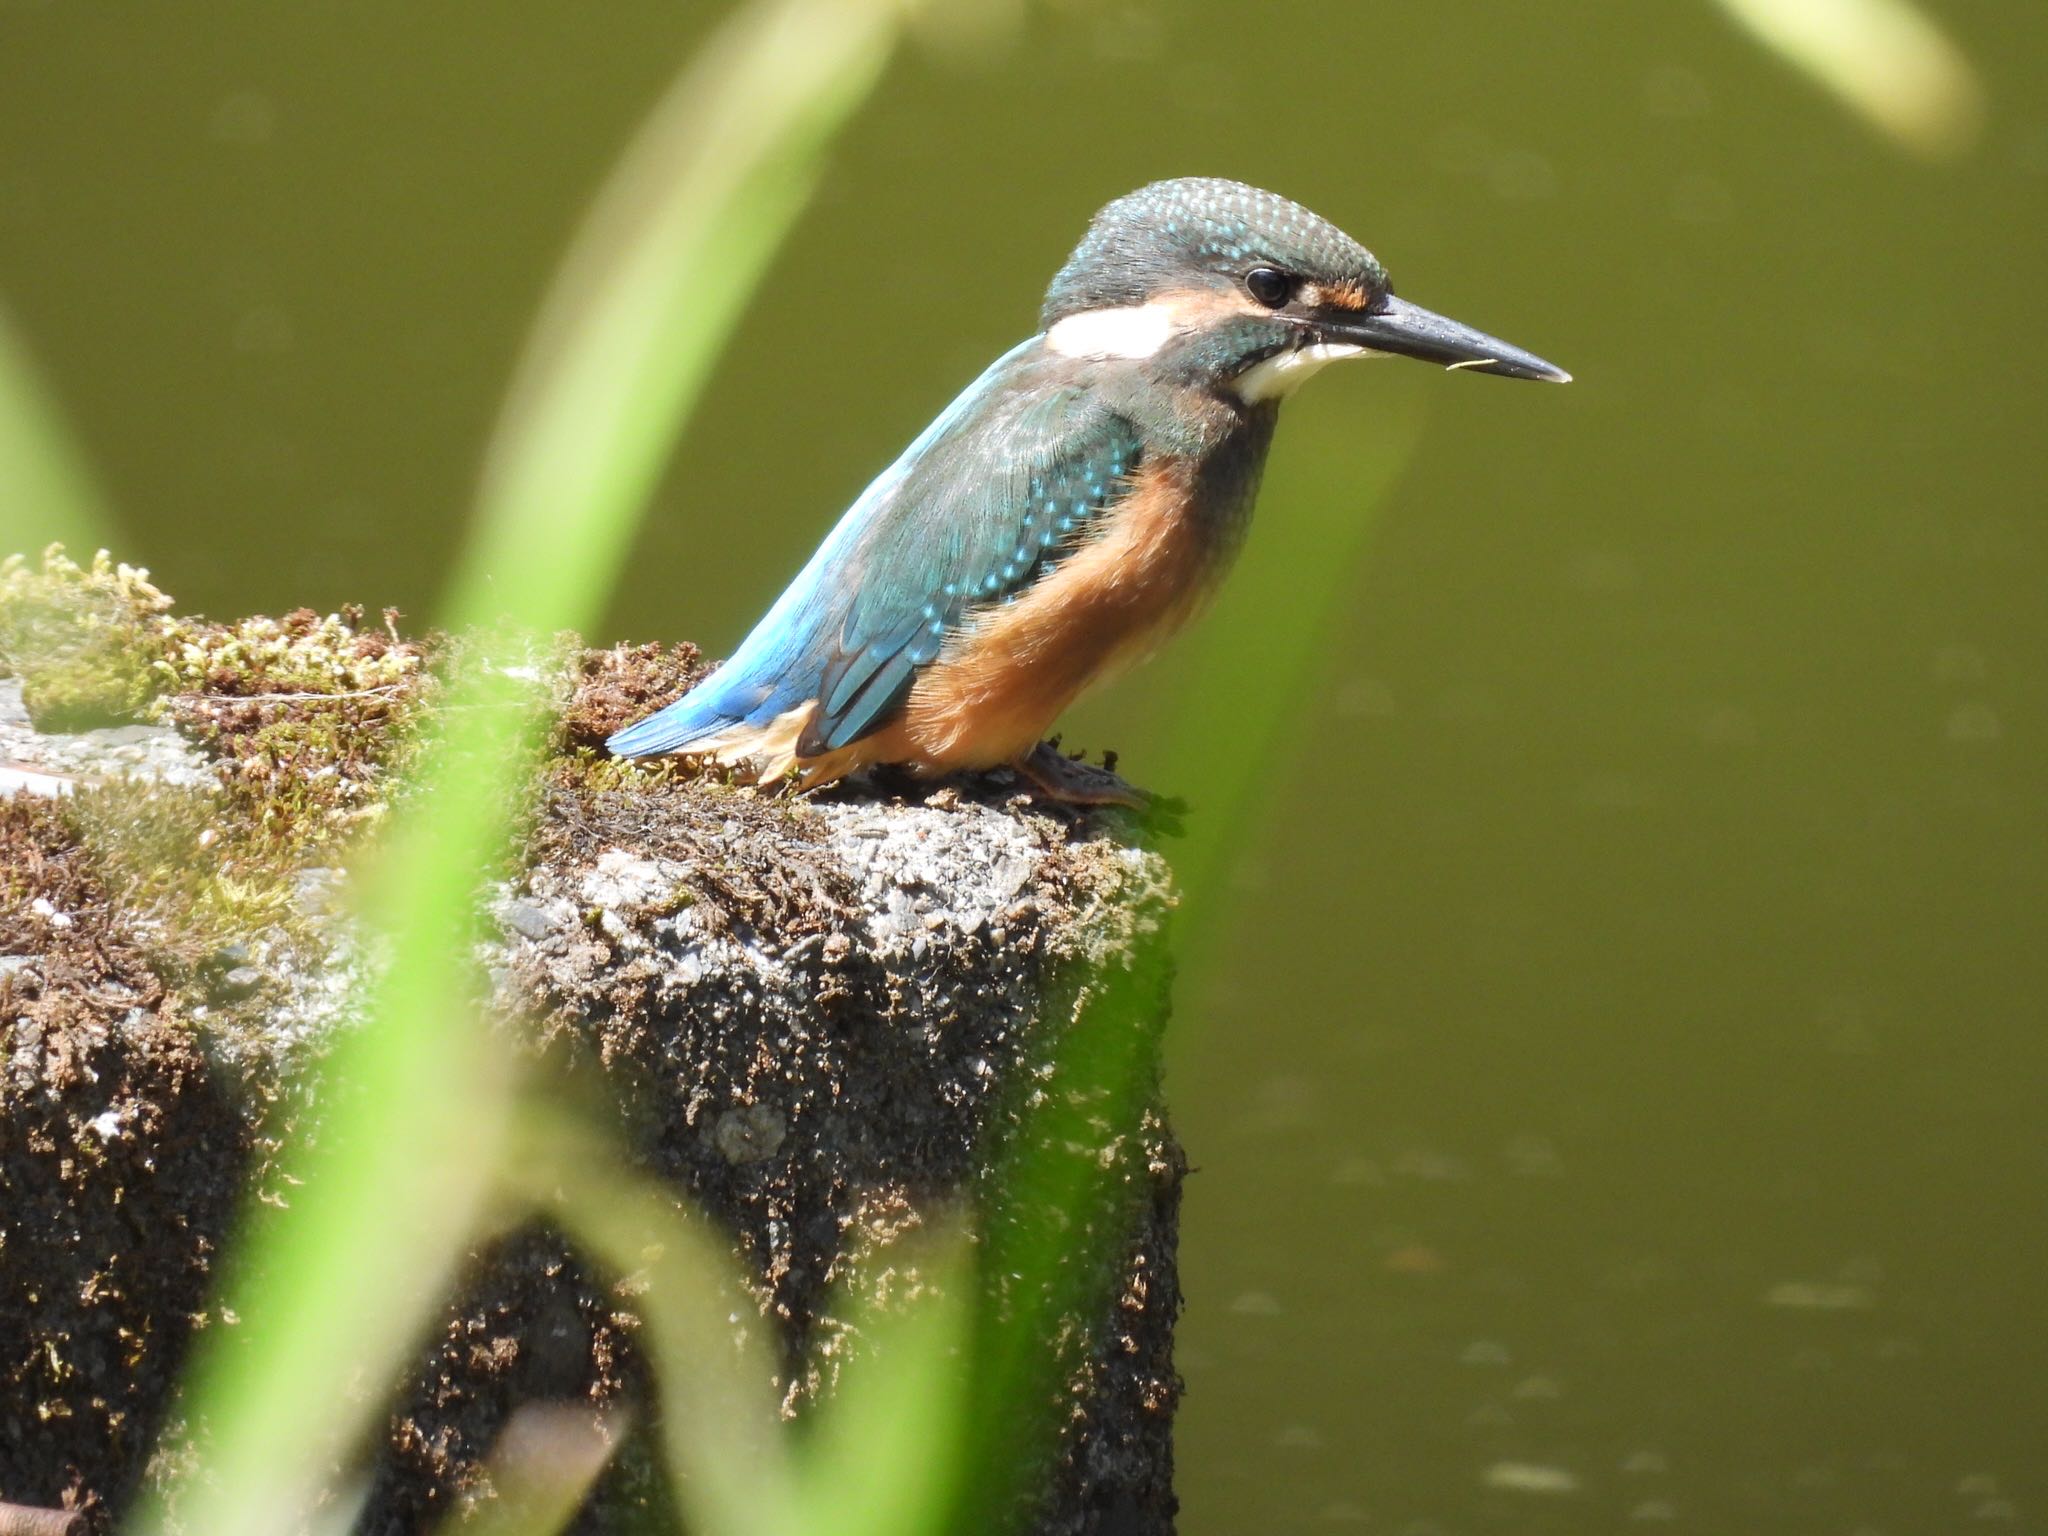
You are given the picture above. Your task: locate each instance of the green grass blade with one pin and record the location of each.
(886, 1453)
(543, 1465)
(1259, 659)
(47, 494)
(1885, 60)
(706, 1338)
(332, 1291)
(670, 255)
(1263, 651)
(1056, 1232)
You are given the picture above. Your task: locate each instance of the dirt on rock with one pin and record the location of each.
(811, 1018)
(121, 1162)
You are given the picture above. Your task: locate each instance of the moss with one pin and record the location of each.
(614, 688)
(306, 716)
(199, 887)
(84, 640)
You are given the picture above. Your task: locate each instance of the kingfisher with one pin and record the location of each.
(1070, 510)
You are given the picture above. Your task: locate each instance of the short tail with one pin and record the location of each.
(692, 719)
(747, 704)
(709, 722)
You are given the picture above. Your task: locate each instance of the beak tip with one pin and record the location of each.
(1533, 368)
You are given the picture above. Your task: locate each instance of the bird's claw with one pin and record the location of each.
(1070, 781)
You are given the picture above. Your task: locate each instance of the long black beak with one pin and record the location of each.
(1412, 331)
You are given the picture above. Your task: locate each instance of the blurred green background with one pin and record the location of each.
(1619, 1087)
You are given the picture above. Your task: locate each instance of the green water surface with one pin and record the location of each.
(1618, 1086)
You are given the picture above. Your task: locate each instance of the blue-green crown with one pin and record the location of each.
(1161, 236)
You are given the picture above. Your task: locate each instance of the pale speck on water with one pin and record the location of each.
(1485, 1352)
(1468, 704)
(1604, 571)
(1522, 176)
(1365, 698)
(1356, 1172)
(1432, 1166)
(1534, 1157)
(264, 329)
(1613, 792)
(1973, 724)
(1701, 200)
(1726, 725)
(1530, 1477)
(247, 117)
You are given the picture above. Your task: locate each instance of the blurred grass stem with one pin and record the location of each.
(1885, 60)
(46, 491)
(332, 1291)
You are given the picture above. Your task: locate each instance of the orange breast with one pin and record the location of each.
(999, 685)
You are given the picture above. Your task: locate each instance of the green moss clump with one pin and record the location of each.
(611, 689)
(301, 653)
(307, 715)
(84, 640)
(193, 885)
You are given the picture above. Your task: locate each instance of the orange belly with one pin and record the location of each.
(998, 686)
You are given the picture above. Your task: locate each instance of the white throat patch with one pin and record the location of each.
(1137, 330)
(1277, 377)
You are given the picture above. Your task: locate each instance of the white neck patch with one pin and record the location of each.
(1137, 330)
(1277, 377)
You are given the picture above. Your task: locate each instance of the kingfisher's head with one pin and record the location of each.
(1221, 282)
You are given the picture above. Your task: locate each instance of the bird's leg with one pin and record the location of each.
(1072, 782)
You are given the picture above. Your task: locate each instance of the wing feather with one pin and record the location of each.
(1007, 481)
(980, 518)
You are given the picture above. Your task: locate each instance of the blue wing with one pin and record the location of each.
(1004, 483)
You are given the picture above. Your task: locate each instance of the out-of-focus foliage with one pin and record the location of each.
(332, 1290)
(44, 482)
(1886, 60)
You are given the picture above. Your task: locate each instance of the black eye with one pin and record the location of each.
(1269, 285)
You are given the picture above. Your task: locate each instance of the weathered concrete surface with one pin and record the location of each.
(808, 1018)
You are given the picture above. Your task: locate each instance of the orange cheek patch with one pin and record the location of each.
(1342, 295)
